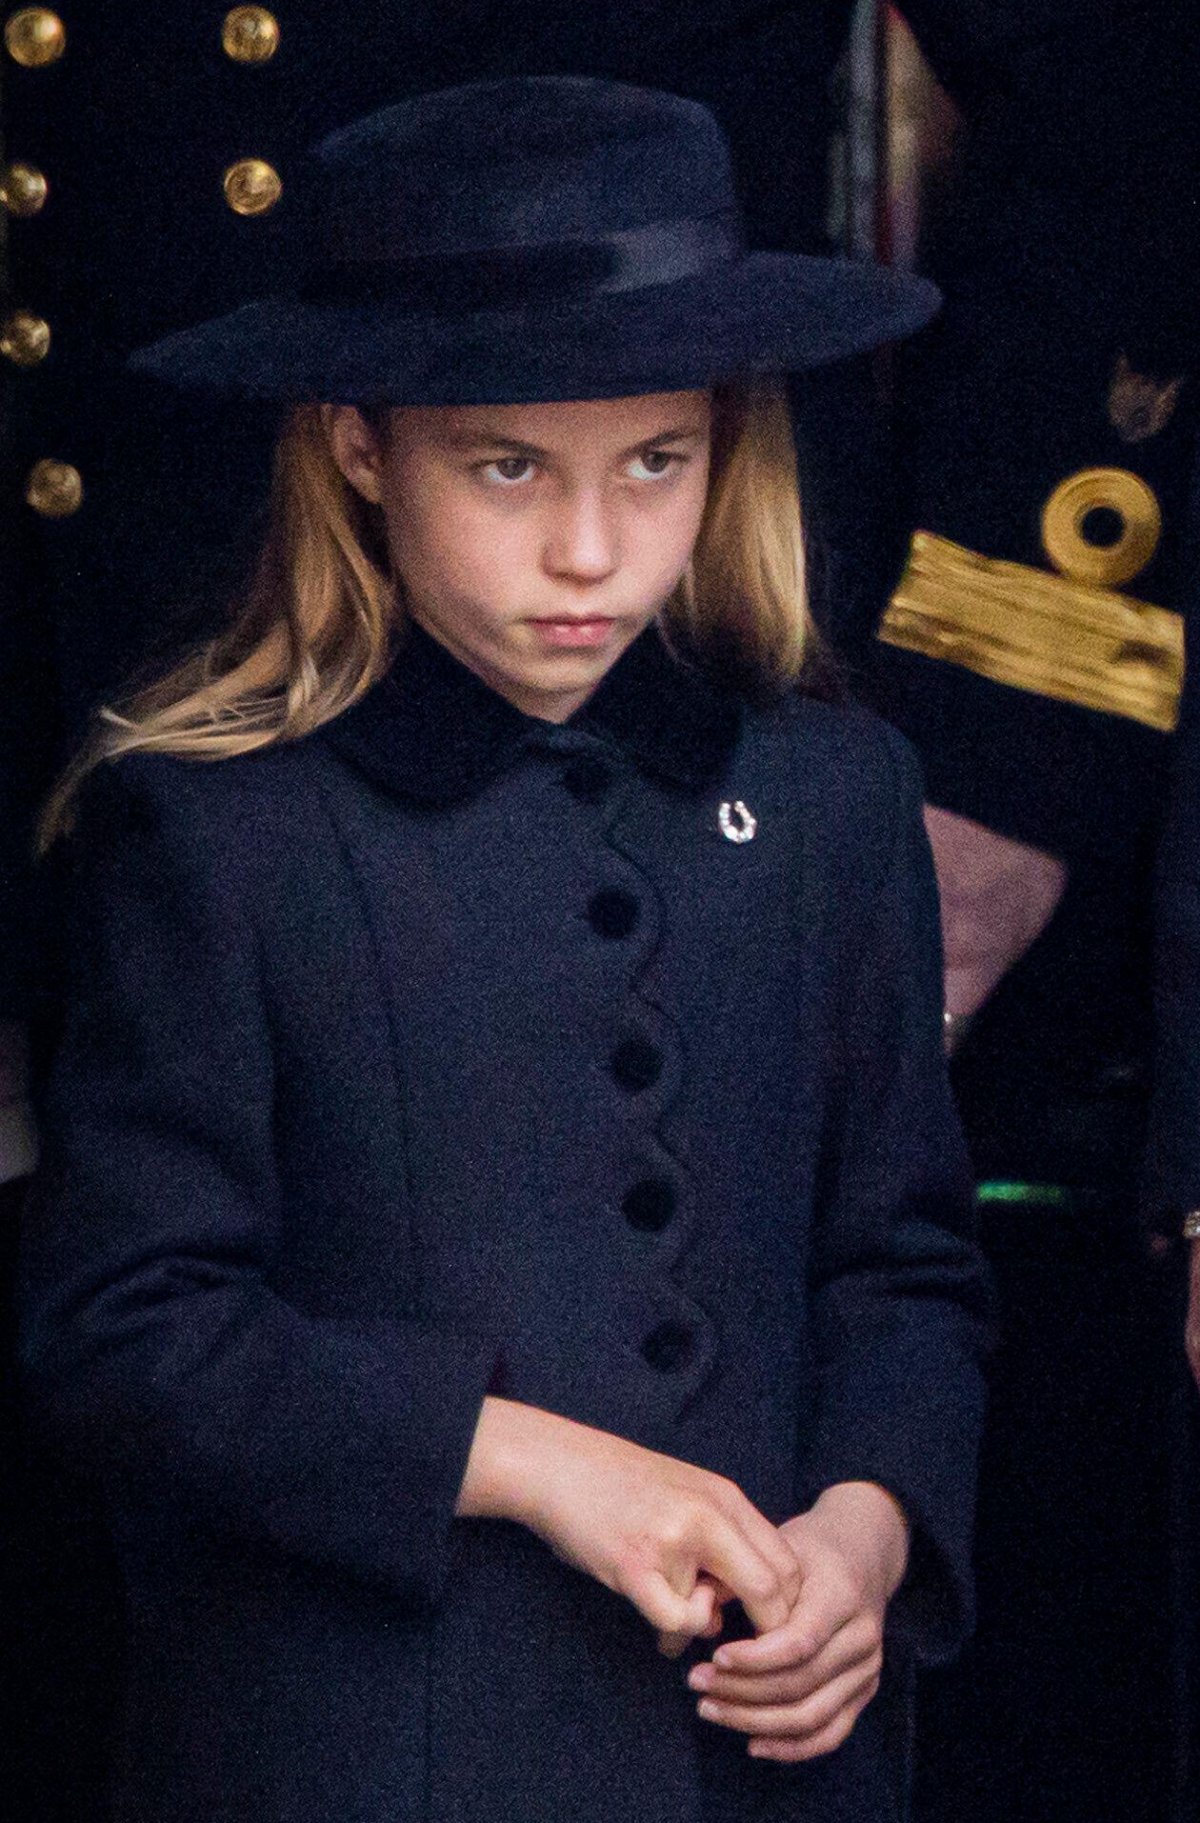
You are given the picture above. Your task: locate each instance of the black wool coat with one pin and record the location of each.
(446, 1050)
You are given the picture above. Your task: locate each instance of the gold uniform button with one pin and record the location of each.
(24, 338)
(252, 186)
(23, 189)
(35, 37)
(54, 489)
(250, 34)
(1117, 504)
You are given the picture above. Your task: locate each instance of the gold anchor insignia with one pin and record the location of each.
(737, 822)
(1139, 406)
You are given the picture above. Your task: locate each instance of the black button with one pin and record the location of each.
(667, 1346)
(587, 778)
(613, 913)
(650, 1204)
(636, 1063)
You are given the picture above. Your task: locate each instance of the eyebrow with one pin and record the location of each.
(493, 439)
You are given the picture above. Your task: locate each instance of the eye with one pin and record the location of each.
(654, 463)
(507, 471)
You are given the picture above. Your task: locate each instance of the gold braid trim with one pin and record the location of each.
(1036, 631)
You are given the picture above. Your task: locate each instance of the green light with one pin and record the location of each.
(1012, 1190)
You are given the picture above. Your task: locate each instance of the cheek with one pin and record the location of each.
(663, 541)
(448, 543)
(489, 558)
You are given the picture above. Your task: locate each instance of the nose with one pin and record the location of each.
(581, 541)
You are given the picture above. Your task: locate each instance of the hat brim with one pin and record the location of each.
(768, 312)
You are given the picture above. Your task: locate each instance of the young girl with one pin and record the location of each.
(501, 1223)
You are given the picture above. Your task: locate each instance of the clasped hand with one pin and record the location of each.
(798, 1689)
(679, 1542)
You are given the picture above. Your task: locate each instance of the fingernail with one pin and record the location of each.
(700, 1677)
(707, 1709)
(722, 1658)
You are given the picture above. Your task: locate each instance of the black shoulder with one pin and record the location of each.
(175, 783)
(226, 813)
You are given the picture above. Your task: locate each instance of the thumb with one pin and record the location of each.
(700, 1611)
(672, 1644)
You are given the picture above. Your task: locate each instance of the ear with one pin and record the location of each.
(355, 448)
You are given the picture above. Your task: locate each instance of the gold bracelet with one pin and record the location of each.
(1191, 1225)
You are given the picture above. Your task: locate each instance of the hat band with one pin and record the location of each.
(499, 278)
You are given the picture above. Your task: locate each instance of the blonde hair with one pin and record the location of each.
(321, 619)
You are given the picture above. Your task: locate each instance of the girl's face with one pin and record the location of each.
(535, 541)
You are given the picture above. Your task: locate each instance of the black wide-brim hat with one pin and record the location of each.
(534, 238)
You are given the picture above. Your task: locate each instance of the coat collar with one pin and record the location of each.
(432, 730)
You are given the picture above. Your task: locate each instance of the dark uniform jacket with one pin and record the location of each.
(447, 1049)
(1172, 1173)
(1058, 385)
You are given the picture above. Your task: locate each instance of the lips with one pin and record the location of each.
(566, 631)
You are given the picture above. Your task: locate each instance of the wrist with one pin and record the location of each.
(505, 1471)
(870, 1525)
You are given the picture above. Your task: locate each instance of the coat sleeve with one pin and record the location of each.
(900, 1293)
(152, 1343)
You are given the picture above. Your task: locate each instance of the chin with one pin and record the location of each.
(545, 688)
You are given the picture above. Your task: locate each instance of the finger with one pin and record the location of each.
(812, 1748)
(858, 1643)
(671, 1645)
(851, 1692)
(766, 1584)
(822, 1610)
(670, 1612)
(722, 1593)
(766, 1538)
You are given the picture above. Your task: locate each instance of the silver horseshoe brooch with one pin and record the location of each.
(737, 822)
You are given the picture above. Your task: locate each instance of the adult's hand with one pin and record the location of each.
(1191, 1334)
(18, 1138)
(997, 896)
